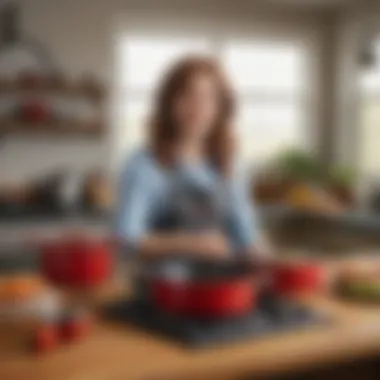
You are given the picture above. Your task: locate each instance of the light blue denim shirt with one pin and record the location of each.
(145, 193)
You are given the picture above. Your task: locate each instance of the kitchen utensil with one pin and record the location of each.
(46, 193)
(202, 288)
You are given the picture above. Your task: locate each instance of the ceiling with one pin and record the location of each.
(315, 3)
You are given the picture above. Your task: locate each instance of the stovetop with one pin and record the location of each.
(271, 316)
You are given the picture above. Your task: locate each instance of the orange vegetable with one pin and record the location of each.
(20, 287)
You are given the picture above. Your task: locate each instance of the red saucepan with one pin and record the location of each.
(200, 288)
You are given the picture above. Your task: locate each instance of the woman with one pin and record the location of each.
(183, 193)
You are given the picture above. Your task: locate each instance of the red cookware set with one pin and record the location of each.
(185, 285)
(215, 289)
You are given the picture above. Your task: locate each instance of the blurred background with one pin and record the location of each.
(76, 85)
(77, 80)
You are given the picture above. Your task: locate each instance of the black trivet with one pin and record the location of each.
(269, 317)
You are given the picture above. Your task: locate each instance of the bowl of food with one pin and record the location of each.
(26, 296)
(361, 283)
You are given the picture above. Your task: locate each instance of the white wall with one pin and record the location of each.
(353, 29)
(76, 35)
(79, 34)
(347, 97)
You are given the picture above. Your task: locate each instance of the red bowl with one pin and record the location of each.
(77, 262)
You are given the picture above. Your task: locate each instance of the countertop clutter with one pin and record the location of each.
(120, 350)
(57, 194)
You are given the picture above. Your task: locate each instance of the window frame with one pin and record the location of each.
(217, 39)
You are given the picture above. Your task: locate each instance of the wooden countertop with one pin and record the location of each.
(115, 351)
(120, 352)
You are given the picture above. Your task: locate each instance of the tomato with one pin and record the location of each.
(75, 327)
(46, 338)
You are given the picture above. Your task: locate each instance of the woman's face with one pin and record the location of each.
(196, 109)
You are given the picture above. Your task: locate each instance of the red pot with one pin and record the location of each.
(297, 278)
(215, 297)
(77, 261)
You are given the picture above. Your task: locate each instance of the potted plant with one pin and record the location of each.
(341, 181)
(304, 182)
(289, 168)
(296, 165)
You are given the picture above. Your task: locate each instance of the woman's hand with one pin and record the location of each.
(211, 244)
(263, 249)
(207, 244)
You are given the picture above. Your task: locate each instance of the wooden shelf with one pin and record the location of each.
(65, 129)
(87, 89)
(96, 93)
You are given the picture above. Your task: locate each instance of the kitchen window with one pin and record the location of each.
(269, 78)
